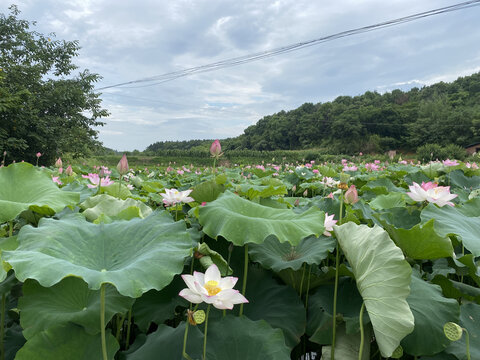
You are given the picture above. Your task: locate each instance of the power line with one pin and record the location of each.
(159, 79)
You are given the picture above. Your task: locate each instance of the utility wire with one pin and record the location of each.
(159, 79)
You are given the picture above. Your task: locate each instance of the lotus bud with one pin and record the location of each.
(294, 188)
(39, 154)
(122, 166)
(216, 149)
(58, 163)
(101, 173)
(351, 195)
(69, 170)
(305, 193)
(60, 170)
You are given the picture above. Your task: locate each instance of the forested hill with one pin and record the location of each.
(443, 113)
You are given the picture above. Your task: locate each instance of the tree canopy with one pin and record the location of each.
(43, 107)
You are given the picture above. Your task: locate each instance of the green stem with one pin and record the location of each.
(205, 336)
(102, 321)
(303, 277)
(337, 265)
(10, 231)
(2, 327)
(120, 185)
(213, 169)
(362, 333)
(185, 336)
(467, 343)
(308, 287)
(245, 273)
(292, 279)
(129, 325)
(120, 321)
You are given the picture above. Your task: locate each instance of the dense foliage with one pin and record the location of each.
(95, 271)
(443, 113)
(43, 108)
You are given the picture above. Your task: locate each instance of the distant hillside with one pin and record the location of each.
(443, 113)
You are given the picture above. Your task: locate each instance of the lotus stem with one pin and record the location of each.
(129, 325)
(303, 277)
(102, 321)
(335, 291)
(308, 287)
(185, 336)
(2, 327)
(205, 336)
(120, 185)
(120, 321)
(362, 333)
(245, 273)
(467, 343)
(10, 230)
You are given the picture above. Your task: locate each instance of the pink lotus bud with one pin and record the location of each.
(5, 153)
(122, 166)
(60, 170)
(216, 149)
(351, 195)
(305, 193)
(101, 172)
(39, 154)
(69, 170)
(58, 163)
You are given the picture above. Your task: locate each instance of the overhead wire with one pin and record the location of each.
(170, 76)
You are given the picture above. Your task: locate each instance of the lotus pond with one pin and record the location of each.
(274, 261)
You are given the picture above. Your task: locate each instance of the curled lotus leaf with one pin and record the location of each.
(241, 221)
(24, 187)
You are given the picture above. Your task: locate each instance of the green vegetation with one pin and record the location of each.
(43, 108)
(443, 113)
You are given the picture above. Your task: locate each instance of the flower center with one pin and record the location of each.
(212, 287)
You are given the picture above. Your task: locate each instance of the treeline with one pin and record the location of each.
(443, 113)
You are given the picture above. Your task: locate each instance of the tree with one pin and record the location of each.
(43, 108)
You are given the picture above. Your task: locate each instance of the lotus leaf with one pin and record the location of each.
(383, 279)
(23, 187)
(241, 221)
(134, 256)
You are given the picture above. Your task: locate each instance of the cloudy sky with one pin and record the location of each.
(124, 40)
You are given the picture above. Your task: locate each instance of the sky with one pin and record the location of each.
(124, 40)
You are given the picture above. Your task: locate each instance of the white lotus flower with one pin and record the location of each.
(173, 196)
(212, 289)
(328, 224)
(431, 192)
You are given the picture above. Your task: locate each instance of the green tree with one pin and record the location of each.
(44, 108)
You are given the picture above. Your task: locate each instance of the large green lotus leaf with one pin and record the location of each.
(134, 256)
(68, 301)
(14, 340)
(470, 320)
(431, 311)
(383, 279)
(84, 191)
(381, 186)
(241, 221)
(455, 289)
(278, 256)
(347, 346)
(421, 241)
(450, 220)
(320, 310)
(169, 341)
(458, 179)
(253, 191)
(404, 218)
(66, 342)
(239, 338)
(117, 191)
(391, 200)
(111, 206)
(277, 304)
(23, 187)
(158, 306)
(232, 338)
(207, 191)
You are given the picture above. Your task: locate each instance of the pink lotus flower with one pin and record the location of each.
(216, 149)
(449, 162)
(328, 224)
(351, 195)
(95, 180)
(173, 196)
(372, 167)
(122, 166)
(350, 168)
(431, 192)
(330, 196)
(211, 288)
(56, 179)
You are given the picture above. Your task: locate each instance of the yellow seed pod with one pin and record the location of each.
(199, 316)
(452, 331)
(398, 353)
